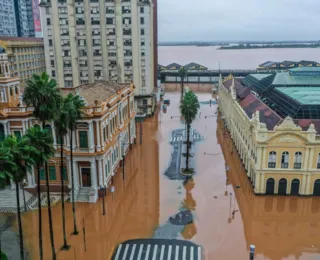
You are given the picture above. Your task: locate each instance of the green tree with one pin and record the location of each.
(44, 96)
(61, 126)
(5, 164)
(74, 114)
(22, 160)
(182, 74)
(189, 110)
(42, 141)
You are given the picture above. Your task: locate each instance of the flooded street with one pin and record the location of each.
(228, 217)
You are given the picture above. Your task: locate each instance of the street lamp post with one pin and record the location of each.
(252, 248)
(123, 160)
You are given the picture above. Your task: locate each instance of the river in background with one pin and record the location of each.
(232, 59)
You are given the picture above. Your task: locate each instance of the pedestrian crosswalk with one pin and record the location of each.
(135, 250)
(178, 139)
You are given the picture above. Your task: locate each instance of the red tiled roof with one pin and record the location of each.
(251, 104)
(305, 123)
(241, 90)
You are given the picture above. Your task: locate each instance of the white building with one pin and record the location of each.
(112, 40)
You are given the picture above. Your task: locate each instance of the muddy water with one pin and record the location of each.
(226, 219)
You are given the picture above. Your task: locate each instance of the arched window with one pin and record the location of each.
(297, 160)
(270, 186)
(318, 162)
(285, 160)
(272, 159)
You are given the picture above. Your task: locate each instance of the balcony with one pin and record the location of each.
(284, 165)
(297, 166)
(271, 165)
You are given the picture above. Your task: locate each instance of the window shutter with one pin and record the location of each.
(52, 173)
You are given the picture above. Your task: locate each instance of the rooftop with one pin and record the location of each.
(304, 95)
(260, 76)
(297, 79)
(96, 93)
(251, 104)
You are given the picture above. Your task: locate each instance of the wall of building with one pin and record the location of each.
(254, 142)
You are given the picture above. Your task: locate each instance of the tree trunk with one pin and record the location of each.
(182, 88)
(188, 147)
(75, 231)
(49, 207)
(40, 215)
(19, 221)
(65, 245)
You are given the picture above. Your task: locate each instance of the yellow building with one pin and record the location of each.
(280, 157)
(26, 56)
(101, 140)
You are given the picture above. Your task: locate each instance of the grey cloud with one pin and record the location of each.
(189, 20)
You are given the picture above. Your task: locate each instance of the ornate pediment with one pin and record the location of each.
(288, 124)
(288, 139)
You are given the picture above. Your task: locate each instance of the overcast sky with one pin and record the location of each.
(218, 20)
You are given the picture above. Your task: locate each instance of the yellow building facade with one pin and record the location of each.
(26, 56)
(101, 140)
(283, 159)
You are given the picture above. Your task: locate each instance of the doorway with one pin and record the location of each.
(282, 190)
(316, 188)
(295, 184)
(86, 177)
(270, 186)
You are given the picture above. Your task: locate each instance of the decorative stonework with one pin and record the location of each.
(288, 124)
(288, 139)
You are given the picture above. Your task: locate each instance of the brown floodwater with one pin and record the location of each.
(226, 219)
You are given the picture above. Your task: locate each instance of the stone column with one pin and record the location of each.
(101, 182)
(29, 179)
(68, 162)
(93, 175)
(75, 175)
(308, 184)
(6, 128)
(91, 137)
(303, 185)
(262, 182)
(98, 136)
(264, 157)
(54, 136)
(257, 183)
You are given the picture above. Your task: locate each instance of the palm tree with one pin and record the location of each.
(61, 125)
(182, 74)
(22, 160)
(43, 95)
(74, 114)
(5, 164)
(189, 110)
(42, 141)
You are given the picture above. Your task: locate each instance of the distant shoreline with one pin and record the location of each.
(271, 46)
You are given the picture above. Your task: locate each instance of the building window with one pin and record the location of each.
(50, 42)
(318, 162)
(109, 20)
(272, 160)
(142, 20)
(52, 173)
(2, 136)
(142, 31)
(53, 73)
(297, 160)
(83, 139)
(141, 9)
(48, 21)
(64, 174)
(42, 175)
(52, 63)
(17, 134)
(285, 160)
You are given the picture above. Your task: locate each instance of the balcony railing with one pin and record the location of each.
(271, 165)
(297, 165)
(284, 165)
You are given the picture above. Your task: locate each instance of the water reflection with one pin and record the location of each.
(280, 227)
